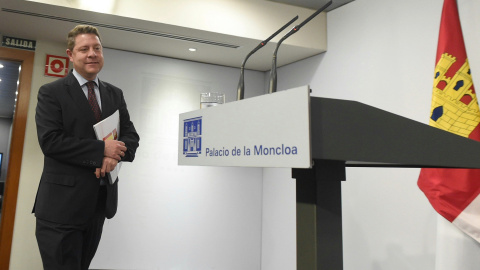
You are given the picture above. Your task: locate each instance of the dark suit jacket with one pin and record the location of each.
(68, 188)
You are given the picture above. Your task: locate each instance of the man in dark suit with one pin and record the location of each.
(74, 197)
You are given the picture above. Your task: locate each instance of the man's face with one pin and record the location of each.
(87, 55)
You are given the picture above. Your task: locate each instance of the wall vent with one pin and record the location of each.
(123, 28)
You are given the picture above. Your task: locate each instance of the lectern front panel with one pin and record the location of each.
(267, 131)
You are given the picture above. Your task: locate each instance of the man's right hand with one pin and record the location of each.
(114, 149)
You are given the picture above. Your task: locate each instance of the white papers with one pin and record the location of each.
(109, 129)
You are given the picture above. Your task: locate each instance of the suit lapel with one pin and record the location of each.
(78, 96)
(107, 101)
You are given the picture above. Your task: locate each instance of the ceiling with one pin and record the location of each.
(314, 4)
(33, 20)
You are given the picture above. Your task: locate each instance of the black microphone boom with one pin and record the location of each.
(273, 72)
(241, 86)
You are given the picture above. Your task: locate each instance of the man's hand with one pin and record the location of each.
(114, 149)
(108, 165)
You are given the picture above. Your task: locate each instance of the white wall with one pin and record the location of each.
(381, 53)
(279, 236)
(173, 217)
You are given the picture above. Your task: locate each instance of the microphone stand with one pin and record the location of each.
(241, 86)
(273, 72)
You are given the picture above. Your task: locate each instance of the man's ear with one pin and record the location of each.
(69, 53)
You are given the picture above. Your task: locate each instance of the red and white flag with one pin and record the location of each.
(454, 193)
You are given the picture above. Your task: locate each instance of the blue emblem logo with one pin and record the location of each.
(192, 137)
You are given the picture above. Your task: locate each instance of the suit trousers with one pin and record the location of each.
(71, 247)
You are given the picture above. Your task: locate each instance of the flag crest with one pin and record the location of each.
(454, 102)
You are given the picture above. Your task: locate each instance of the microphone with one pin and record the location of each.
(241, 86)
(273, 72)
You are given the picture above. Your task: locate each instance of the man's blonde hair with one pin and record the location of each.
(80, 29)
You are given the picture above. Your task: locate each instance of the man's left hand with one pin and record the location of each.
(108, 165)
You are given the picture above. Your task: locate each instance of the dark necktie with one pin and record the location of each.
(92, 100)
